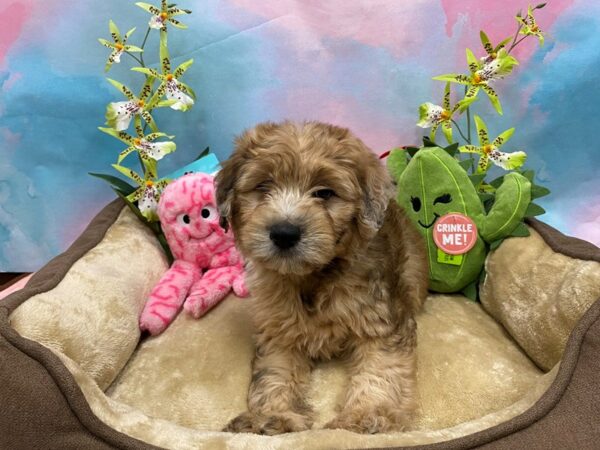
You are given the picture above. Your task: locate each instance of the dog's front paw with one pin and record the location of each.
(366, 422)
(268, 424)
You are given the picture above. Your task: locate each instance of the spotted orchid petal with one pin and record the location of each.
(483, 164)
(433, 131)
(105, 43)
(176, 23)
(430, 115)
(129, 33)
(493, 97)
(454, 78)
(508, 161)
(148, 71)
(149, 120)
(149, 8)
(124, 89)
(470, 97)
(131, 174)
(447, 130)
(503, 137)
(119, 114)
(482, 131)
(472, 61)
(124, 153)
(182, 68)
(155, 150)
(183, 102)
(468, 149)
(163, 51)
(186, 89)
(148, 203)
(120, 135)
(446, 101)
(114, 31)
(177, 11)
(153, 136)
(498, 67)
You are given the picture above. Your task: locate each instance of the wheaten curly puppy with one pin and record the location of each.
(335, 269)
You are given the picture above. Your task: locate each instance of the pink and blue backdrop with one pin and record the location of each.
(365, 64)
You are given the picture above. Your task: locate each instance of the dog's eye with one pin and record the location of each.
(416, 203)
(324, 194)
(446, 198)
(265, 186)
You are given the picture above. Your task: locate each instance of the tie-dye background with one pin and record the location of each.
(365, 64)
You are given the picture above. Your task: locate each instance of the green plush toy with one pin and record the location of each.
(433, 184)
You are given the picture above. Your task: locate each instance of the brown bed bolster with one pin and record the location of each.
(41, 405)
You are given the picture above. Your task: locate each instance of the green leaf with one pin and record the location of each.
(452, 149)
(494, 245)
(427, 142)
(204, 153)
(466, 164)
(165, 245)
(538, 191)
(534, 210)
(133, 207)
(116, 183)
(521, 230)
(529, 174)
(470, 291)
(477, 179)
(485, 196)
(497, 182)
(412, 150)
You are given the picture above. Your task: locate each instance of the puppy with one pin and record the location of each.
(335, 269)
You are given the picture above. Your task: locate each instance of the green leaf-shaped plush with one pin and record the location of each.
(433, 184)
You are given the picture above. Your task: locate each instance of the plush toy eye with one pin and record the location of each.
(183, 219)
(324, 194)
(416, 203)
(446, 198)
(208, 212)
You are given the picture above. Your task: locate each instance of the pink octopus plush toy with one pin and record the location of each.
(207, 265)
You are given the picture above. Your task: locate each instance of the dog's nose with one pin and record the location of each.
(285, 235)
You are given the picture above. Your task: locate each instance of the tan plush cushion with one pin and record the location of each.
(197, 373)
(178, 389)
(538, 295)
(92, 315)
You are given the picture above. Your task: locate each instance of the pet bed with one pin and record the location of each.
(519, 370)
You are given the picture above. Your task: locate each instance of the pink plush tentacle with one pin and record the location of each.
(229, 257)
(166, 298)
(214, 285)
(239, 284)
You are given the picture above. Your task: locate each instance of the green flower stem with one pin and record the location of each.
(142, 47)
(514, 44)
(135, 57)
(469, 138)
(515, 38)
(460, 131)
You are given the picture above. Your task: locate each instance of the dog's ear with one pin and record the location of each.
(230, 170)
(224, 188)
(378, 190)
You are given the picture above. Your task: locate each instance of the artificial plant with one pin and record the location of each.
(160, 87)
(434, 181)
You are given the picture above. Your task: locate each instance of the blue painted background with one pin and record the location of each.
(365, 64)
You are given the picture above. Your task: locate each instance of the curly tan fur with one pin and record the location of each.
(350, 288)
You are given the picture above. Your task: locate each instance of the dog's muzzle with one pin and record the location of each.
(285, 235)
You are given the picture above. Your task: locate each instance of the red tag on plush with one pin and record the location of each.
(455, 233)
